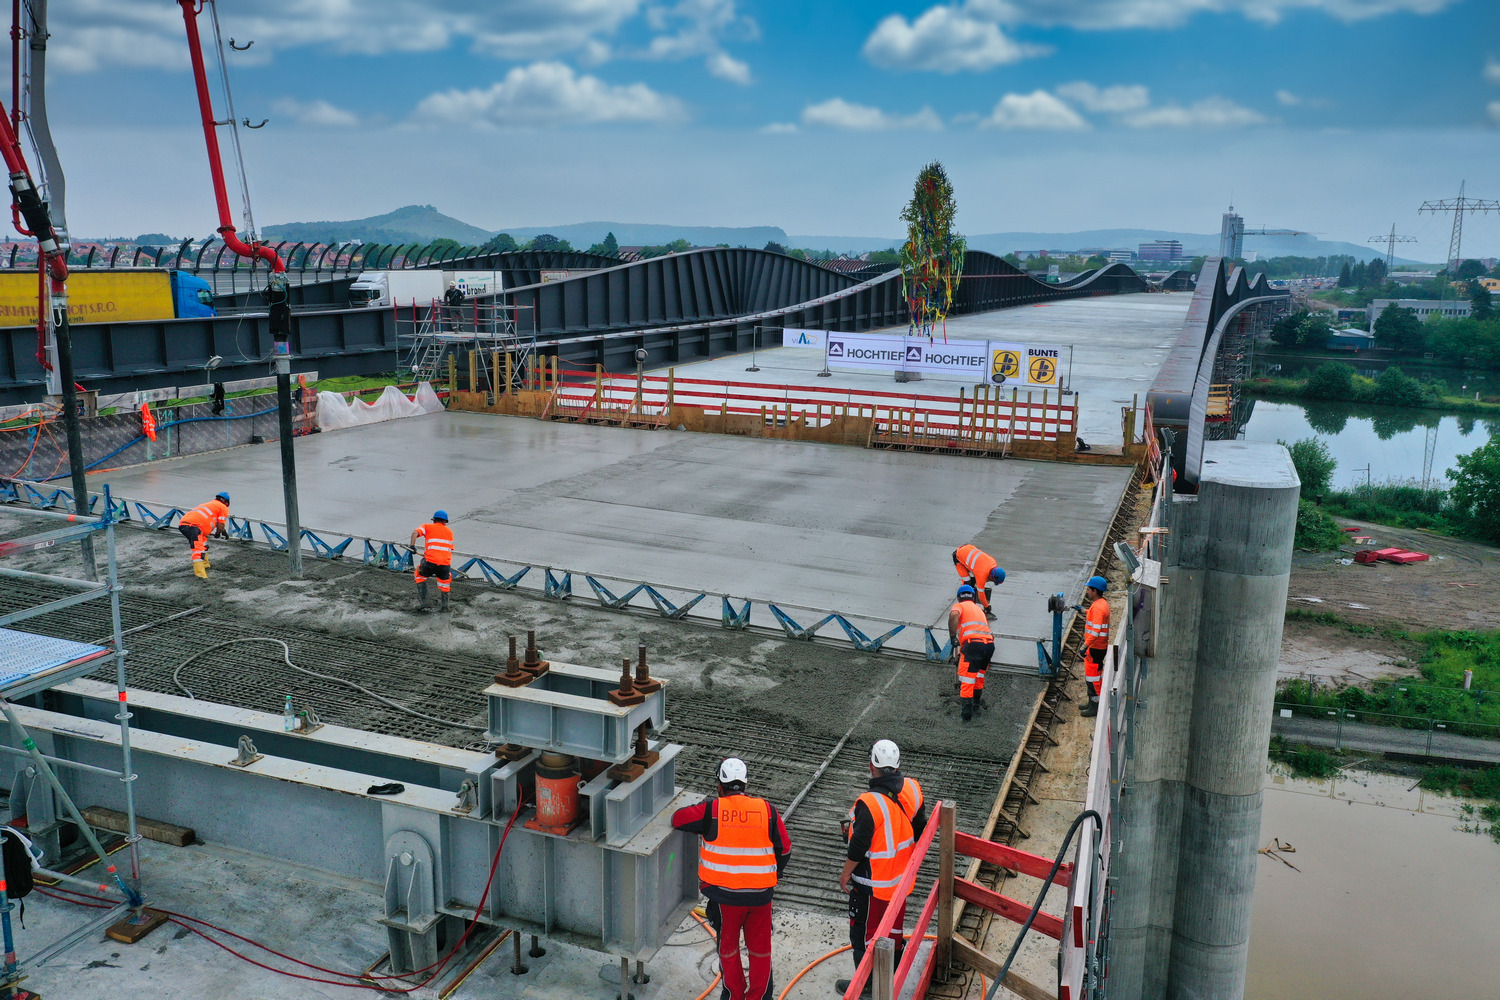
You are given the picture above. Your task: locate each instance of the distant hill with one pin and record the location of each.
(412, 224)
(633, 234)
(1193, 244)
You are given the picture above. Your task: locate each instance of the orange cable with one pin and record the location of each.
(717, 976)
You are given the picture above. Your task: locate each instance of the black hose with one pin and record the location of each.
(1037, 907)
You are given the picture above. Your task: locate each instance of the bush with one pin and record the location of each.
(1476, 490)
(1316, 531)
(1396, 388)
(1333, 380)
(1315, 465)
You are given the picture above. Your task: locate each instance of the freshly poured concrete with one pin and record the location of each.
(1118, 341)
(822, 526)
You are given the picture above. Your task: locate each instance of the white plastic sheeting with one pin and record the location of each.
(336, 412)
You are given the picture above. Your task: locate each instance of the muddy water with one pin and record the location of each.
(1392, 900)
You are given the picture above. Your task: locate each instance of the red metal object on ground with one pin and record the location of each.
(1387, 553)
(1368, 557)
(1407, 557)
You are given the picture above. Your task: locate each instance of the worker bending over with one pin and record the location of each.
(970, 636)
(744, 846)
(437, 557)
(881, 829)
(200, 522)
(979, 570)
(1095, 640)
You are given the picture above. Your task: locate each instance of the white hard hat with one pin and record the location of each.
(732, 770)
(885, 753)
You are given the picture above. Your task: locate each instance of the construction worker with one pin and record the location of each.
(979, 570)
(200, 522)
(743, 848)
(437, 557)
(970, 636)
(1095, 641)
(881, 829)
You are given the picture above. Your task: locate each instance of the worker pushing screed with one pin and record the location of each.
(974, 644)
(200, 522)
(881, 829)
(1095, 640)
(436, 557)
(979, 570)
(743, 848)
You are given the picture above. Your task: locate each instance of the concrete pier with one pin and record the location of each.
(1191, 825)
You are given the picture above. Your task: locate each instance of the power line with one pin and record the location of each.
(1390, 244)
(1458, 206)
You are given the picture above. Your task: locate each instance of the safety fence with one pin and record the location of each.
(1384, 732)
(919, 965)
(863, 633)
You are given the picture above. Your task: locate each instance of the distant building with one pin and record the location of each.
(1349, 340)
(1424, 308)
(1231, 234)
(1160, 250)
(1117, 256)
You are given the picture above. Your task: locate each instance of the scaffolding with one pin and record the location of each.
(438, 331)
(31, 663)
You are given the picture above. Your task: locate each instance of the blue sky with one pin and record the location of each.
(1336, 116)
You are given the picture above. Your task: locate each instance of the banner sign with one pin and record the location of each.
(1024, 364)
(965, 358)
(804, 338)
(1044, 365)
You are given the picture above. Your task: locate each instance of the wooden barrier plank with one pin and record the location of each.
(1011, 909)
(1008, 857)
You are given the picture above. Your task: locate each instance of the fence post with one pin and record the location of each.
(671, 389)
(1338, 736)
(495, 374)
(452, 374)
(943, 945)
(882, 977)
(473, 371)
(1429, 736)
(510, 372)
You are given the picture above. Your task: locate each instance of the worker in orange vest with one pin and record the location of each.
(881, 829)
(200, 522)
(743, 848)
(1095, 641)
(979, 570)
(437, 557)
(972, 641)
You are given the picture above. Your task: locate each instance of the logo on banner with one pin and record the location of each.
(1041, 365)
(803, 338)
(914, 353)
(1005, 365)
(835, 348)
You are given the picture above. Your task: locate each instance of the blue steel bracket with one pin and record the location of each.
(862, 642)
(322, 548)
(491, 575)
(388, 555)
(795, 631)
(274, 538)
(666, 607)
(1044, 665)
(57, 498)
(560, 589)
(239, 527)
(731, 618)
(936, 653)
(606, 598)
(154, 520)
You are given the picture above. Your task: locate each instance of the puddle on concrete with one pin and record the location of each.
(1392, 898)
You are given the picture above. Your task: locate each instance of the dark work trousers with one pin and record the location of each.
(865, 914)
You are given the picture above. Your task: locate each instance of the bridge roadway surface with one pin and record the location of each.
(1118, 341)
(822, 526)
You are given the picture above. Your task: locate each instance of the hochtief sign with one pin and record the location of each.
(967, 358)
(996, 362)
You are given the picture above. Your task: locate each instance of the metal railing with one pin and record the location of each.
(1385, 732)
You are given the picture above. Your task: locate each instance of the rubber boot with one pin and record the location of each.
(1091, 709)
(443, 600)
(206, 563)
(422, 594)
(979, 700)
(968, 709)
(200, 569)
(842, 986)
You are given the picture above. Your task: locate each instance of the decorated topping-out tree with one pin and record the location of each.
(932, 258)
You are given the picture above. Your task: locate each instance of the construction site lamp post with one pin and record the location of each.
(754, 340)
(281, 360)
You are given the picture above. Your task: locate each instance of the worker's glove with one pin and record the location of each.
(220, 533)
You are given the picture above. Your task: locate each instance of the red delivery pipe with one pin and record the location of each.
(211, 137)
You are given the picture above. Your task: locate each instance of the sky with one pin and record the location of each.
(1338, 117)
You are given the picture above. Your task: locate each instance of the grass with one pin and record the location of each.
(1296, 388)
(1304, 762)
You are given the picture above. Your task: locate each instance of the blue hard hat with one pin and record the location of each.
(222, 496)
(440, 515)
(965, 591)
(997, 575)
(1099, 583)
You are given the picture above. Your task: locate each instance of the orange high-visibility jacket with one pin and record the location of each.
(439, 548)
(975, 563)
(741, 856)
(206, 517)
(1096, 628)
(891, 845)
(972, 625)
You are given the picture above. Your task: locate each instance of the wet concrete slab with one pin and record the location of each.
(1118, 342)
(821, 526)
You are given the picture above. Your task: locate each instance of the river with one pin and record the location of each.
(1392, 899)
(1389, 440)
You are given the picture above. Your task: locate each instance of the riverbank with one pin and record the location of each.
(1368, 391)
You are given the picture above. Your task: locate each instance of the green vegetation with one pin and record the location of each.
(1337, 381)
(1314, 464)
(608, 247)
(546, 241)
(1316, 531)
(1304, 762)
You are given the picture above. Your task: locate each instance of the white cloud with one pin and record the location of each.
(944, 39)
(1492, 69)
(549, 93)
(1114, 100)
(1036, 110)
(1211, 112)
(841, 114)
(1494, 110)
(1287, 99)
(1113, 14)
(779, 128)
(85, 50)
(726, 67)
(317, 112)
